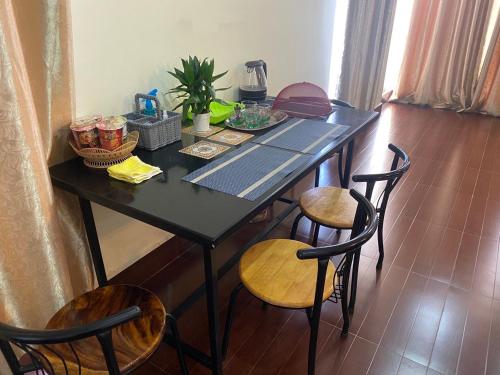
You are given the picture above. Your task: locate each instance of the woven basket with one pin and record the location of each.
(154, 132)
(100, 158)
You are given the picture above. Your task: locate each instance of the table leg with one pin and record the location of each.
(345, 175)
(95, 247)
(213, 311)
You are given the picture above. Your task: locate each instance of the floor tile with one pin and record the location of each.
(423, 333)
(448, 342)
(358, 358)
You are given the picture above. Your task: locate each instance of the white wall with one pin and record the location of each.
(122, 47)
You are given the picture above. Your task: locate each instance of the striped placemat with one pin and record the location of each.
(249, 171)
(302, 135)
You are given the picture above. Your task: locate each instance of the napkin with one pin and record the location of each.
(133, 170)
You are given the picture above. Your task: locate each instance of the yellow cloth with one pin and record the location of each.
(133, 170)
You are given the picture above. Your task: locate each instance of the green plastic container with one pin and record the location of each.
(218, 112)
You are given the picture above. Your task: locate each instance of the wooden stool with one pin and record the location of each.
(111, 330)
(291, 274)
(329, 206)
(333, 207)
(271, 271)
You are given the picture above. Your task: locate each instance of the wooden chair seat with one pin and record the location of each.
(330, 206)
(271, 271)
(133, 341)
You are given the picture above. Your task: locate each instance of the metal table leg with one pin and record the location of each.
(345, 171)
(213, 311)
(211, 277)
(95, 247)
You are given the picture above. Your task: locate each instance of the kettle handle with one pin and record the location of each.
(265, 67)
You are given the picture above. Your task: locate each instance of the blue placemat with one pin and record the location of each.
(301, 135)
(249, 171)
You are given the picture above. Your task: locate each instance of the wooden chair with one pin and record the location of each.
(341, 103)
(110, 330)
(307, 100)
(291, 274)
(340, 159)
(332, 207)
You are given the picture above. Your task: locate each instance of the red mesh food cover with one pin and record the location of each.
(303, 100)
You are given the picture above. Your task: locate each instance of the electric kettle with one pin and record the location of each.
(254, 81)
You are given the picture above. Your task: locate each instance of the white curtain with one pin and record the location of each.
(366, 47)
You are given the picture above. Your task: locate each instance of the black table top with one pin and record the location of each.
(188, 210)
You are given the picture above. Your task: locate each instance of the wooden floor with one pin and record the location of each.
(434, 308)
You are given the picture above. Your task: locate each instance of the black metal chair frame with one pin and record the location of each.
(29, 340)
(392, 178)
(343, 175)
(365, 225)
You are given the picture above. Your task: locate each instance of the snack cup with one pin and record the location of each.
(111, 133)
(117, 122)
(85, 132)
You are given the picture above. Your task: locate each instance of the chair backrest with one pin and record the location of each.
(37, 342)
(341, 103)
(305, 100)
(400, 165)
(365, 225)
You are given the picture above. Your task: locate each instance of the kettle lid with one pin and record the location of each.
(254, 64)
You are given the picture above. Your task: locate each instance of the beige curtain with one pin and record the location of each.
(366, 47)
(44, 259)
(443, 55)
(487, 94)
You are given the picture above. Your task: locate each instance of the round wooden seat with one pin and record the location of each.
(271, 271)
(133, 342)
(330, 206)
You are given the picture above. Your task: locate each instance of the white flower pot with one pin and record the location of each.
(201, 122)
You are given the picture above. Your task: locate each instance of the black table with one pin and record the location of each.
(202, 215)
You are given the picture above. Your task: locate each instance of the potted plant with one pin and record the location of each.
(196, 90)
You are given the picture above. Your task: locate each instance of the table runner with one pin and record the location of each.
(302, 135)
(249, 171)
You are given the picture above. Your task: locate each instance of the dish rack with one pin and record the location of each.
(100, 158)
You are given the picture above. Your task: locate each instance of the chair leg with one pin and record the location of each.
(309, 313)
(344, 295)
(316, 234)
(313, 339)
(180, 354)
(229, 319)
(293, 233)
(380, 235)
(10, 357)
(316, 176)
(354, 285)
(341, 166)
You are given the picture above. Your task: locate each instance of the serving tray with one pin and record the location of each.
(277, 117)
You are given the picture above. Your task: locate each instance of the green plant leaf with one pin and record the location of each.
(210, 72)
(177, 76)
(196, 64)
(189, 72)
(177, 106)
(217, 76)
(185, 110)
